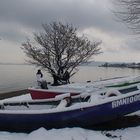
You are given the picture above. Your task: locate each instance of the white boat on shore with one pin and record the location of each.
(78, 88)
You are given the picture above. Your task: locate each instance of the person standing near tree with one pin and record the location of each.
(39, 76)
(40, 81)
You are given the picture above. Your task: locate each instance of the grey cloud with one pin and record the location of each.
(133, 45)
(19, 18)
(81, 13)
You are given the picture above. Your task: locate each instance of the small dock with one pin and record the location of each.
(13, 93)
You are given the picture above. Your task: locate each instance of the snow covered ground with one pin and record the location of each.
(74, 134)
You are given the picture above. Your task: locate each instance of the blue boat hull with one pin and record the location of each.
(82, 117)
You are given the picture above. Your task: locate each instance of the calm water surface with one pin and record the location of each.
(15, 77)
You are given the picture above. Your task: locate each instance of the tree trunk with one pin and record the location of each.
(55, 80)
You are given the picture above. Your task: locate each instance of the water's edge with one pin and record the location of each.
(10, 94)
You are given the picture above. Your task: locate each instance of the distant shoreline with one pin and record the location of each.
(121, 65)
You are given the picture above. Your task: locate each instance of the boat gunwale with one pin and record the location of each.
(56, 90)
(72, 107)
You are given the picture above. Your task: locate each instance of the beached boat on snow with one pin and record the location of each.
(37, 93)
(51, 93)
(87, 109)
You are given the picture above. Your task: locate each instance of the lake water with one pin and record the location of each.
(15, 77)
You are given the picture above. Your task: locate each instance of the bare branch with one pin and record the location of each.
(128, 11)
(59, 49)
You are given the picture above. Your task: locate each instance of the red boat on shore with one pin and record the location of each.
(51, 93)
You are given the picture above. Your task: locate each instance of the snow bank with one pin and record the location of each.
(74, 134)
(55, 134)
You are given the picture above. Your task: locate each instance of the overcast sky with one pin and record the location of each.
(93, 18)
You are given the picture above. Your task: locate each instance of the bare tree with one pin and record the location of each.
(59, 50)
(129, 12)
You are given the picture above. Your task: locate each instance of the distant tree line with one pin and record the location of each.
(121, 65)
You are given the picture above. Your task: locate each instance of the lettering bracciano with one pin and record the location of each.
(126, 101)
